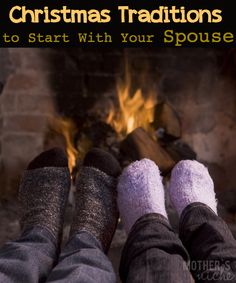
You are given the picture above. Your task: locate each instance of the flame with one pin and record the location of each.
(67, 129)
(133, 111)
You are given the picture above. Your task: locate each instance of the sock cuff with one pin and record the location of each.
(103, 161)
(55, 157)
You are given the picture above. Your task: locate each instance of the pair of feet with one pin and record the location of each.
(141, 191)
(100, 195)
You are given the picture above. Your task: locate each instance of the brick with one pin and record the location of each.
(56, 60)
(67, 82)
(1, 108)
(75, 106)
(29, 58)
(22, 81)
(100, 64)
(1, 129)
(15, 57)
(36, 59)
(24, 123)
(87, 62)
(8, 102)
(44, 91)
(1, 162)
(100, 50)
(97, 85)
(19, 149)
(5, 63)
(35, 104)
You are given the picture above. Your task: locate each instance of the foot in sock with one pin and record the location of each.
(43, 192)
(140, 192)
(190, 182)
(96, 208)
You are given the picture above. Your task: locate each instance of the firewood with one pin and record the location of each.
(139, 144)
(167, 118)
(179, 150)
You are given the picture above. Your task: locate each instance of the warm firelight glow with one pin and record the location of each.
(134, 111)
(67, 129)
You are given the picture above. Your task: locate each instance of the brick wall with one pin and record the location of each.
(26, 102)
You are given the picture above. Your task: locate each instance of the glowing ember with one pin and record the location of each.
(134, 111)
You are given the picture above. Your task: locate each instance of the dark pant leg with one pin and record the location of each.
(83, 261)
(29, 259)
(210, 244)
(153, 253)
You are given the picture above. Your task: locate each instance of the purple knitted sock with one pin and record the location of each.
(140, 191)
(190, 182)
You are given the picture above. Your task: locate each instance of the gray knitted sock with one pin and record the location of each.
(140, 191)
(96, 209)
(43, 192)
(190, 182)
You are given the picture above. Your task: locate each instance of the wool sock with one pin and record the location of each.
(140, 192)
(43, 192)
(190, 182)
(96, 208)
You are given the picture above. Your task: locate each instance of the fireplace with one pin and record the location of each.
(185, 101)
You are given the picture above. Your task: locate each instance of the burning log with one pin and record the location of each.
(166, 118)
(179, 150)
(139, 144)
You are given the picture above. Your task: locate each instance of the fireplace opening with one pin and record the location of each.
(164, 104)
(132, 122)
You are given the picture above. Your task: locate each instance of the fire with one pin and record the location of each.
(134, 110)
(67, 129)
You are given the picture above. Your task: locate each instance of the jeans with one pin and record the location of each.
(206, 247)
(205, 250)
